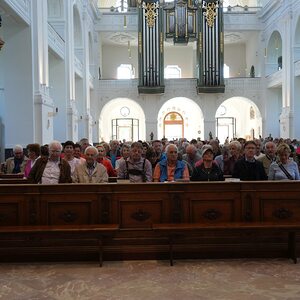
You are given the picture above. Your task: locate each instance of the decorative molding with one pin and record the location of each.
(140, 215)
(55, 42)
(22, 8)
(212, 214)
(282, 213)
(69, 216)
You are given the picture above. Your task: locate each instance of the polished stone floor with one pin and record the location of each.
(239, 279)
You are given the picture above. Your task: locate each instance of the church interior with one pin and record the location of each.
(148, 70)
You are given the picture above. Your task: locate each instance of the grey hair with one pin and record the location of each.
(17, 147)
(167, 148)
(91, 147)
(237, 144)
(55, 143)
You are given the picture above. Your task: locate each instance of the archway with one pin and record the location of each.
(191, 119)
(122, 118)
(238, 117)
(274, 53)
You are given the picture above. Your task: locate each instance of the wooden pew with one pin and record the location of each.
(96, 232)
(174, 231)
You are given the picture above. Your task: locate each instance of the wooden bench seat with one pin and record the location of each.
(173, 231)
(79, 232)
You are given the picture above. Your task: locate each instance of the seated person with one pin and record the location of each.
(135, 167)
(16, 164)
(125, 151)
(69, 156)
(223, 160)
(105, 161)
(33, 151)
(248, 168)
(51, 169)
(191, 156)
(269, 156)
(207, 170)
(90, 171)
(171, 169)
(285, 168)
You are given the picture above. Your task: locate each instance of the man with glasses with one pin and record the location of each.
(15, 164)
(52, 169)
(248, 168)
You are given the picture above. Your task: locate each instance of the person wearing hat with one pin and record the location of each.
(207, 169)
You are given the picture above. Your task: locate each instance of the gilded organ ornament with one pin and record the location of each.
(210, 13)
(150, 12)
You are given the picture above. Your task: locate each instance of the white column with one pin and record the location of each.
(42, 102)
(72, 115)
(287, 114)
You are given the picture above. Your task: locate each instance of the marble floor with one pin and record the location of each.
(240, 279)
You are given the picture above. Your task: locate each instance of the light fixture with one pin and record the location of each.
(265, 55)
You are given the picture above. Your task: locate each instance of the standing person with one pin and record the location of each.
(248, 168)
(69, 156)
(207, 170)
(16, 164)
(171, 169)
(135, 167)
(269, 156)
(33, 152)
(90, 171)
(285, 168)
(51, 169)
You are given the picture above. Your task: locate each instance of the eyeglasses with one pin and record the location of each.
(54, 151)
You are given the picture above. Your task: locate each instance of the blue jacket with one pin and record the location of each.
(178, 174)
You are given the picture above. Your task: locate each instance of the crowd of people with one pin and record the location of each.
(156, 161)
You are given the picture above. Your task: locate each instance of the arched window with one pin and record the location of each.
(122, 5)
(172, 71)
(173, 126)
(125, 71)
(226, 71)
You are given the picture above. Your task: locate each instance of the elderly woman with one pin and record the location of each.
(207, 169)
(125, 152)
(284, 168)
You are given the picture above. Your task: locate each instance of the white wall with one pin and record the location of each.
(113, 57)
(235, 58)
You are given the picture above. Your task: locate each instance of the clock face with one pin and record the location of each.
(125, 111)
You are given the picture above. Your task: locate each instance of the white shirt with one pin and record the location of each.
(51, 172)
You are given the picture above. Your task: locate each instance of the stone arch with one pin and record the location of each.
(274, 53)
(114, 109)
(246, 116)
(191, 113)
(297, 41)
(77, 24)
